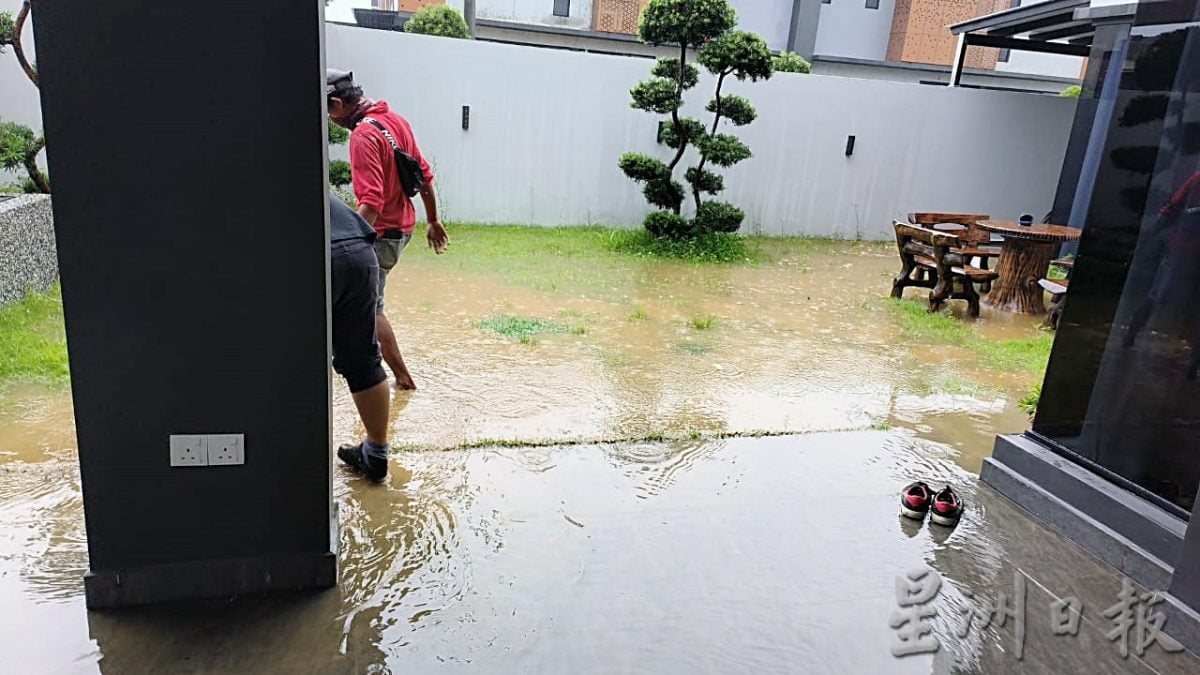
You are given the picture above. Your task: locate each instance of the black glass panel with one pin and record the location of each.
(1122, 390)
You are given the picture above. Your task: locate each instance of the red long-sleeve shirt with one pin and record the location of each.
(373, 169)
(1186, 234)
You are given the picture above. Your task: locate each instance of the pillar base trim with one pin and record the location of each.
(201, 579)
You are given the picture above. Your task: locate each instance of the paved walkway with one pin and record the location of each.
(745, 555)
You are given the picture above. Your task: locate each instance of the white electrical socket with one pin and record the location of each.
(226, 449)
(189, 450)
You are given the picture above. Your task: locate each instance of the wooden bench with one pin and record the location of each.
(974, 241)
(929, 262)
(1057, 288)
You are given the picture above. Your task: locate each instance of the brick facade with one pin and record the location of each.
(921, 34)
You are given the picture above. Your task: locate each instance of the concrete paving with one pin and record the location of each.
(741, 555)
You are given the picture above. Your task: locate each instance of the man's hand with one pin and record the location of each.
(439, 239)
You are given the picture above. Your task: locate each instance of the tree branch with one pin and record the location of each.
(679, 131)
(20, 51)
(720, 83)
(31, 167)
(716, 121)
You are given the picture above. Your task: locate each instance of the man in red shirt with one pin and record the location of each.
(381, 200)
(1179, 225)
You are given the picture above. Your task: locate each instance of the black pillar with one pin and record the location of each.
(187, 150)
(1098, 66)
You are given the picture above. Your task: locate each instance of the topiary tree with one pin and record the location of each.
(339, 172)
(7, 24)
(19, 145)
(339, 169)
(791, 62)
(19, 148)
(707, 25)
(441, 20)
(10, 36)
(743, 55)
(337, 135)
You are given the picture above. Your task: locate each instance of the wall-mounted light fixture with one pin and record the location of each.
(466, 117)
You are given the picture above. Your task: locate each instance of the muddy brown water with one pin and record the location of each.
(614, 553)
(799, 345)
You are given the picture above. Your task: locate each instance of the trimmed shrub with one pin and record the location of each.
(791, 62)
(440, 20)
(339, 172)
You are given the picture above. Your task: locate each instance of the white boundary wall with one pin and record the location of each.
(548, 126)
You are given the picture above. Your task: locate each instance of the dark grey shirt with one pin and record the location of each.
(345, 223)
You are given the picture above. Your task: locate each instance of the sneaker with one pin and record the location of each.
(947, 508)
(372, 467)
(914, 501)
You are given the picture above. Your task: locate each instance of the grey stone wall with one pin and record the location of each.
(27, 255)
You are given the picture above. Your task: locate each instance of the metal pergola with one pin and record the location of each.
(1065, 27)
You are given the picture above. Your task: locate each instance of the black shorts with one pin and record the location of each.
(354, 281)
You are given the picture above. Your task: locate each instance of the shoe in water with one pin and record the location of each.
(914, 501)
(374, 468)
(946, 509)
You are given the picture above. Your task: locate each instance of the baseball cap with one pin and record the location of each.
(338, 80)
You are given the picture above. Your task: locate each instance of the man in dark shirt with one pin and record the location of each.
(354, 278)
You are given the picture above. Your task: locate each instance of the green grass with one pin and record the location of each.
(474, 242)
(918, 323)
(710, 248)
(492, 243)
(639, 314)
(1029, 403)
(1029, 355)
(686, 435)
(616, 359)
(694, 349)
(704, 322)
(33, 344)
(949, 383)
(606, 263)
(525, 329)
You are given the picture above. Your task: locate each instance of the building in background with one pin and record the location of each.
(901, 40)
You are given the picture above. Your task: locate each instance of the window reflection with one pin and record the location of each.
(1122, 390)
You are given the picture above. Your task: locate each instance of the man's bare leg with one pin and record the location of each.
(391, 353)
(373, 407)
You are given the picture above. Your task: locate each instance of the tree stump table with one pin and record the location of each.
(1024, 261)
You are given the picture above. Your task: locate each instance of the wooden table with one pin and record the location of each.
(1024, 260)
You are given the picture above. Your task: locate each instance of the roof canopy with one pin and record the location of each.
(1065, 27)
(1039, 23)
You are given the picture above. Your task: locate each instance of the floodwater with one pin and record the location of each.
(638, 523)
(798, 345)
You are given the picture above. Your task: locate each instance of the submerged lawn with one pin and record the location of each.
(601, 262)
(561, 334)
(33, 344)
(525, 329)
(1027, 355)
(488, 243)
